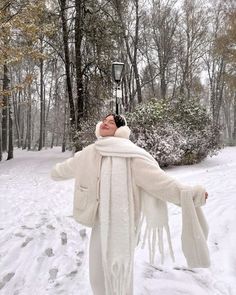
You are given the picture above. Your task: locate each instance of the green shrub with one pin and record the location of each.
(174, 132)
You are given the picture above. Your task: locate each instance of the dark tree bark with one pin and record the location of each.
(16, 120)
(136, 41)
(5, 109)
(29, 119)
(217, 83)
(67, 62)
(6, 89)
(41, 107)
(63, 147)
(78, 58)
(234, 123)
(0, 135)
(10, 136)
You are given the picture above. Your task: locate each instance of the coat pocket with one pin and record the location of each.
(81, 197)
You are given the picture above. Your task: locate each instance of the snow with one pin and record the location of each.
(44, 251)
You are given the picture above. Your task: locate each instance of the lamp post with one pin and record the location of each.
(117, 72)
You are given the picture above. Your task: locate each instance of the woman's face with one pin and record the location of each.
(108, 126)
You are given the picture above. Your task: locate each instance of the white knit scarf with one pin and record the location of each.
(117, 224)
(118, 228)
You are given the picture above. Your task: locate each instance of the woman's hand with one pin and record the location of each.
(206, 195)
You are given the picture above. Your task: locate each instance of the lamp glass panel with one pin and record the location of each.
(117, 71)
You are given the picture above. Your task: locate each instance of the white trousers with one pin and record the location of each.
(96, 273)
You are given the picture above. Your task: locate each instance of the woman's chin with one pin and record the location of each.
(104, 134)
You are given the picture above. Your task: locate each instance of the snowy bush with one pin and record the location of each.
(163, 142)
(174, 132)
(86, 135)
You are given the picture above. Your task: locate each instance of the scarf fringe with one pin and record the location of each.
(154, 237)
(119, 278)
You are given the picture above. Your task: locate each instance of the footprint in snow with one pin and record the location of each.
(20, 235)
(26, 227)
(184, 269)
(6, 279)
(63, 238)
(53, 274)
(82, 233)
(49, 252)
(151, 270)
(26, 242)
(80, 254)
(72, 274)
(43, 221)
(49, 226)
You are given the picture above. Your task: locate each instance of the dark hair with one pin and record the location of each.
(119, 120)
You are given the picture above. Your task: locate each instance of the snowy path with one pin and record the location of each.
(44, 252)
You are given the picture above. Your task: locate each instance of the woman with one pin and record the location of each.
(117, 185)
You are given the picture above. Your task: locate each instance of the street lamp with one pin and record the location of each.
(117, 72)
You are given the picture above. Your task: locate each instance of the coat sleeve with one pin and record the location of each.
(156, 182)
(66, 169)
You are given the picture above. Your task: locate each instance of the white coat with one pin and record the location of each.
(146, 176)
(85, 168)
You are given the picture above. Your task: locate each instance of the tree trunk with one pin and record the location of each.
(41, 107)
(234, 124)
(136, 41)
(63, 148)
(29, 119)
(6, 89)
(78, 58)
(5, 109)
(44, 116)
(16, 119)
(132, 56)
(0, 135)
(67, 62)
(10, 134)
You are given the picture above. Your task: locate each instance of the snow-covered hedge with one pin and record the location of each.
(174, 133)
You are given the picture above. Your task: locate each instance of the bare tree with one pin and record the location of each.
(164, 21)
(192, 43)
(216, 65)
(65, 33)
(79, 21)
(6, 88)
(131, 40)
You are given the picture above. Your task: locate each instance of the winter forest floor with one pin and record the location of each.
(43, 251)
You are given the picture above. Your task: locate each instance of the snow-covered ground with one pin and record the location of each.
(43, 251)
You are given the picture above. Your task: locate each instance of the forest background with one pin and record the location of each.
(178, 89)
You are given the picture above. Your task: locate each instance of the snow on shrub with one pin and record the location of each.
(163, 142)
(86, 134)
(174, 132)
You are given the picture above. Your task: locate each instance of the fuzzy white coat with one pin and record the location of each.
(147, 176)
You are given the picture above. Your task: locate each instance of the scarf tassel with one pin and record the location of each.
(119, 278)
(150, 235)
